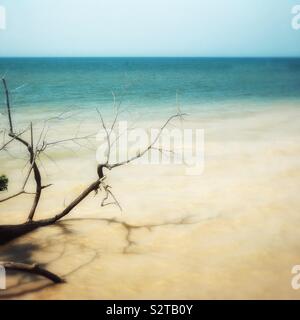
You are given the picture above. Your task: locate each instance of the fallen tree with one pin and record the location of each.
(34, 148)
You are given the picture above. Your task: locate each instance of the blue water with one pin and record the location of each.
(149, 82)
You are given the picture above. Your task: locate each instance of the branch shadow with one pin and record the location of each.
(130, 228)
(25, 283)
(24, 252)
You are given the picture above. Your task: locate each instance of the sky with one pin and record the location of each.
(226, 28)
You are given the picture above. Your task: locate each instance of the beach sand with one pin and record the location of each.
(231, 232)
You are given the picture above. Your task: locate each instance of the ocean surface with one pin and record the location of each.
(139, 83)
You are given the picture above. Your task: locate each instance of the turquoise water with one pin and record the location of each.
(149, 82)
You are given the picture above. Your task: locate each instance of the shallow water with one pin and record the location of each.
(232, 232)
(150, 83)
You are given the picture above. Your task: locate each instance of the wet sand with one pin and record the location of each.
(232, 232)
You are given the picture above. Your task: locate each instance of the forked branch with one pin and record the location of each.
(32, 155)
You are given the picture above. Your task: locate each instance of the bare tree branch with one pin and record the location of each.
(36, 171)
(7, 104)
(108, 193)
(47, 144)
(107, 136)
(3, 147)
(151, 145)
(35, 148)
(33, 269)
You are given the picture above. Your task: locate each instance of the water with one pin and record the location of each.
(150, 82)
(240, 232)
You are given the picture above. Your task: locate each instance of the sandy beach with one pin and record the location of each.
(232, 232)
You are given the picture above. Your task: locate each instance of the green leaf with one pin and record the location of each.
(3, 183)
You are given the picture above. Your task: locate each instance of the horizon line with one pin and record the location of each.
(147, 57)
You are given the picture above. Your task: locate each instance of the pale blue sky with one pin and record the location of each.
(149, 28)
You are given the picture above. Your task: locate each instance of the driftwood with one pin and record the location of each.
(34, 149)
(33, 269)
